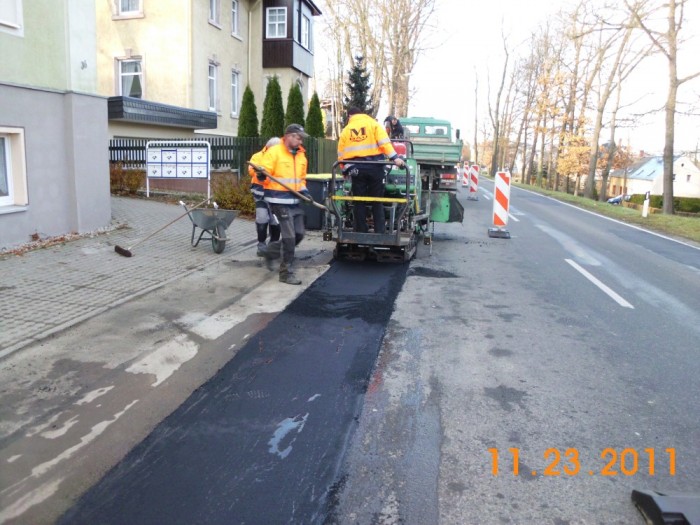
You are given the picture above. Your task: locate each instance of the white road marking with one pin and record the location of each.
(58, 432)
(611, 219)
(91, 396)
(95, 432)
(14, 458)
(269, 297)
(613, 295)
(27, 501)
(166, 359)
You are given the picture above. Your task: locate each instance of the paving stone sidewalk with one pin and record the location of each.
(48, 290)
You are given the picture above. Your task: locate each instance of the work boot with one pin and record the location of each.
(289, 278)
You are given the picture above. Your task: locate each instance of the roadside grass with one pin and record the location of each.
(682, 227)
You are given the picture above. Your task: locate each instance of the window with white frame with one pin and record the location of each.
(212, 86)
(235, 83)
(13, 176)
(214, 15)
(305, 39)
(234, 17)
(11, 18)
(129, 7)
(5, 176)
(276, 26)
(131, 78)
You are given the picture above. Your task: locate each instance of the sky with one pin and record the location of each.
(470, 39)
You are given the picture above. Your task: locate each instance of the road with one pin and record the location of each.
(524, 354)
(392, 394)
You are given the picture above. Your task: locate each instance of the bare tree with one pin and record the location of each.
(621, 67)
(389, 34)
(494, 113)
(666, 42)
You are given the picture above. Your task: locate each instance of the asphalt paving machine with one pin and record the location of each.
(411, 209)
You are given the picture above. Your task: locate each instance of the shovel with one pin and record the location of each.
(262, 170)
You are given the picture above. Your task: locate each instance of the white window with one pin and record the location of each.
(214, 11)
(129, 7)
(276, 22)
(131, 78)
(234, 93)
(11, 18)
(212, 87)
(13, 173)
(305, 40)
(234, 17)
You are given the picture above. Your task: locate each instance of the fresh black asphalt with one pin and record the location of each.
(263, 441)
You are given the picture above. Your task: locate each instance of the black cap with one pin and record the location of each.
(296, 128)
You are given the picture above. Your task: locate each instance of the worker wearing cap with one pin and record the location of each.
(263, 217)
(287, 163)
(364, 139)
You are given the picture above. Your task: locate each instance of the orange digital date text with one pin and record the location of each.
(567, 462)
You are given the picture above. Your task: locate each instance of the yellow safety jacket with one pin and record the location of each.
(363, 137)
(287, 168)
(256, 187)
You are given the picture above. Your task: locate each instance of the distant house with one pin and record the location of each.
(54, 174)
(648, 175)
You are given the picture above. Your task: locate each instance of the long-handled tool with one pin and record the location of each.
(303, 197)
(126, 252)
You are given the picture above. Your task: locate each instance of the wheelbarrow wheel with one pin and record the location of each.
(218, 240)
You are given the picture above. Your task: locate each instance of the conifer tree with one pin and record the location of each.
(295, 106)
(314, 119)
(248, 118)
(273, 111)
(359, 88)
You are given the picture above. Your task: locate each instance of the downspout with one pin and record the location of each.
(250, 36)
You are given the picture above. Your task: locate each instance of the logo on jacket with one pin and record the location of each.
(358, 135)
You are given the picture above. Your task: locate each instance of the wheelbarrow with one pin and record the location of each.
(212, 221)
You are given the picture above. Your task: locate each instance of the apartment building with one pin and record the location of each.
(75, 73)
(172, 68)
(54, 174)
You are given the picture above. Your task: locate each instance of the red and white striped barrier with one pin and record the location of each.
(465, 175)
(501, 205)
(473, 182)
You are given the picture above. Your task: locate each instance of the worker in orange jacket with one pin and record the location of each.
(263, 217)
(286, 162)
(364, 139)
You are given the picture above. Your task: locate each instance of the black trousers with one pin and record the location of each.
(368, 182)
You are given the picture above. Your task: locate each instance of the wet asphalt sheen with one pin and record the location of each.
(263, 441)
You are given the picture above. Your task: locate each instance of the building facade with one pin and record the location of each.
(54, 174)
(172, 69)
(75, 73)
(647, 175)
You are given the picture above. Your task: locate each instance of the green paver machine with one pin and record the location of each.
(411, 207)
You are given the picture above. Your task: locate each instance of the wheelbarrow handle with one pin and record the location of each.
(303, 197)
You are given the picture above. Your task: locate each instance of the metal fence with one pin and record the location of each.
(226, 152)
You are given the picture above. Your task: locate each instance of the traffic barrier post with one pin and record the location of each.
(473, 183)
(501, 205)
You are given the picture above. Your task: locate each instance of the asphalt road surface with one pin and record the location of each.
(263, 440)
(536, 379)
(549, 376)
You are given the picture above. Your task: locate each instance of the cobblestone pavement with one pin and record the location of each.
(48, 290)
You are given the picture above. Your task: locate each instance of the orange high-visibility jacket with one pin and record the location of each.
(286, 167)
(256, 187)
(364, 137)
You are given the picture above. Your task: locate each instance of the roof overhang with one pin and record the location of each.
(137, 110)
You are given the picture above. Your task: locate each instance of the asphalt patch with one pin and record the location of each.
(263, 441)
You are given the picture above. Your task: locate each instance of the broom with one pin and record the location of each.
(126, 252)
